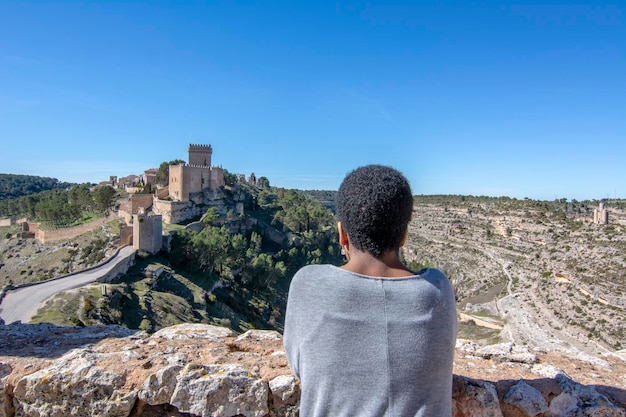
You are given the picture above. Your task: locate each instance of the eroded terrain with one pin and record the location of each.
(541, 273)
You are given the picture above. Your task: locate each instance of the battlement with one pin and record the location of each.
(200, 155)
(200, 148)
(197, 166)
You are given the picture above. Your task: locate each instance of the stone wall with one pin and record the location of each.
(136, 202)
(176, 211)
(120, 269)
(126, 235)
(53, 235)
(202, 370)
(163, 192)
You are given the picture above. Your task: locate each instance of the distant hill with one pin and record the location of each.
(15, 185)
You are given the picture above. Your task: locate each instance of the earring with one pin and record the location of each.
(343, 251)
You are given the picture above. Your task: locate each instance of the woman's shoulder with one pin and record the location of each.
(308, 271)
(438, 278)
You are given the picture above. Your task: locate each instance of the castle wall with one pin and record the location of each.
(163, 192)
(217, 178)
(197, 178)
(126, 235)
(177, 182)
(46, 236)
(176, 211)
(135, 202)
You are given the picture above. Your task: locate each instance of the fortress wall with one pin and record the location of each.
(46, 236)
(217, 178)
(197, 178)
(138, 201)
(163, 192)
(126, 235)
(175, 211)
(133, 190)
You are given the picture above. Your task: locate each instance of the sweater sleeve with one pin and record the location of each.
(290, 334)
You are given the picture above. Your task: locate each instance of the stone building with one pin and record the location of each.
(196, 176)
(149, 176)
(147, 232)
(601, 214)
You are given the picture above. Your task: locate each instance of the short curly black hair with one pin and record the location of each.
(374, 205)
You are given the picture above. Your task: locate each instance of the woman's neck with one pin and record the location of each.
(388, 265)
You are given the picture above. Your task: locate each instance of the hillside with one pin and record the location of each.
(232, 270)
(540, 270)
(15, 185)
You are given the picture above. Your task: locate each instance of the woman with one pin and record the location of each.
(372, 338)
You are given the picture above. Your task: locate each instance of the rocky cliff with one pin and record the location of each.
(202, 370)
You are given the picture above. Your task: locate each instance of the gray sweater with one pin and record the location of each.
(370, 346)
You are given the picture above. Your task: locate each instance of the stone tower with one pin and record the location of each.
(601, 214)
(147, 232)
(200, 155)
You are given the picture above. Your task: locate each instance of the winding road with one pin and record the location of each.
(22, 303)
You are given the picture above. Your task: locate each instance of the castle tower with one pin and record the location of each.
(601, 214)
(147, 232)
(200, 155)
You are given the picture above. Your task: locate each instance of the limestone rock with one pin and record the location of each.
(73, 386)
(579, 400)
(259, 335)
(202, 370)
(507, 352)
(159, 387)
(220, 391)
(548, 370)
(5, 371)
(526, 398)
(192, 330)
(474, 398)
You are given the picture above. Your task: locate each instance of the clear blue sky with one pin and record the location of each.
(488, 99)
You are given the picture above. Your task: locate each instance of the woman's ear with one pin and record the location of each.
(406, 233)
(343, 236)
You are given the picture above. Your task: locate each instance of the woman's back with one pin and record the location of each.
(369, 346)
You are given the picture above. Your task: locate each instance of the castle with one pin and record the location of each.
(196, 176)
(193, 188)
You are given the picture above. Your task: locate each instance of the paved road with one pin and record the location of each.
(22, 303)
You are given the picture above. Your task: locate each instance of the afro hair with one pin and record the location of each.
(374, 205)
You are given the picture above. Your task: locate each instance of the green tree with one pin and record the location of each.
(103, 198)
(163, 174)
(263, 183)
(230, 179)
(210, 216)
(211, 247)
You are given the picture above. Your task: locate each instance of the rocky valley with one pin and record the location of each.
(535, 273)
